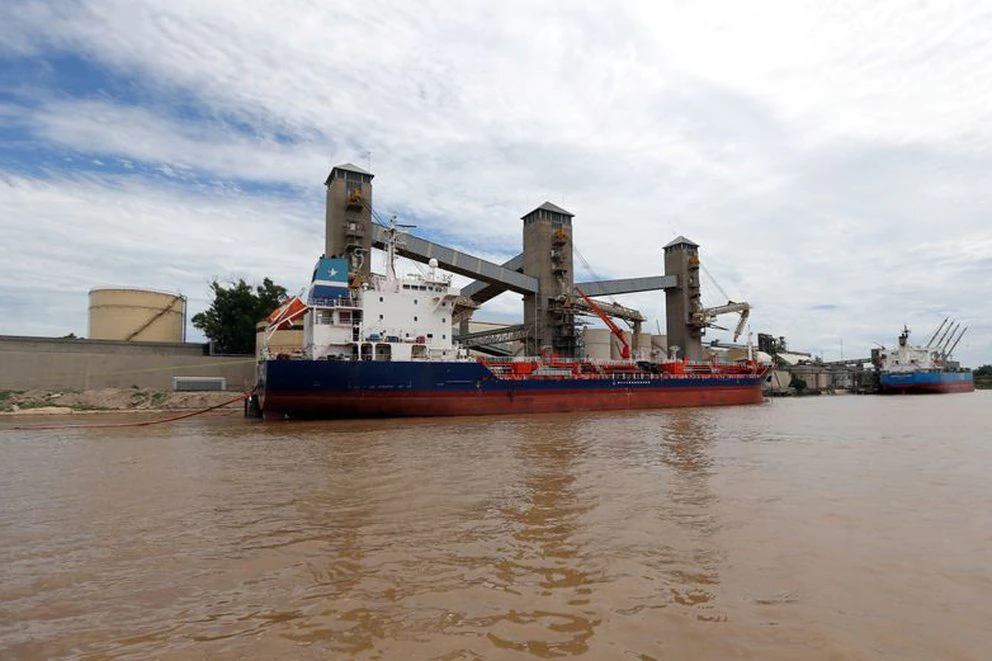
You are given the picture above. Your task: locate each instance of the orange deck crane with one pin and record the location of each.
(624, 345)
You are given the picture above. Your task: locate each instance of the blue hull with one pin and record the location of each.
(926, 382)
(314, 388)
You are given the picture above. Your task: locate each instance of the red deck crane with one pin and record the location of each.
(624, 345)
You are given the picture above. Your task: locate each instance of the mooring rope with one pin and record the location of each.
(140, 423)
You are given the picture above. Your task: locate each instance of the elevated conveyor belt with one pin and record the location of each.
(421, 250)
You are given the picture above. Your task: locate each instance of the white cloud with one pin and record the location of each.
(89, 232)
(140, 134)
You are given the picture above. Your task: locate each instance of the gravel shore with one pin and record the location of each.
(48, 402)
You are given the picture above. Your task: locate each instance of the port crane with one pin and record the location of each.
(704, 317)
(700, 317)
(624, 345)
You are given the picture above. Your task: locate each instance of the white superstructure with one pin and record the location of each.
(909, 358)
(390, 318)
(387, 318)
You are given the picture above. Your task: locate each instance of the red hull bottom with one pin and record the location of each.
(930, 388)
(380, 405)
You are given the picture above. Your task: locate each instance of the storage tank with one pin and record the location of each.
(616, 347)
(282, 341)
(659, 347)
(137, 315)
(597, 343)
(643, 344)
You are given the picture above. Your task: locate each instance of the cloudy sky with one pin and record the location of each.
(833, 160)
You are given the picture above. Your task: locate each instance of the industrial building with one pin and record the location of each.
(137, 339)
(543, 274)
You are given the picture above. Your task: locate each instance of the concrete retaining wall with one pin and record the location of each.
(65, 364)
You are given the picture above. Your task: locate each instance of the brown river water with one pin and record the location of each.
(845, 527)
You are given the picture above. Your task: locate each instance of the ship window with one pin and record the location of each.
(415, 319)
(380, 299)
(443, 320)
(414, 301)
(444, 337)
(380, 317)
(430, 335)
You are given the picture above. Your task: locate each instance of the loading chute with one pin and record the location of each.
(705, 317)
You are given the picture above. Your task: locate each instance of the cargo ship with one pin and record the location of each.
(927, 369)
(385, 349)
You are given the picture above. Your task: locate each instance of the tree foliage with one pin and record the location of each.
(984, 370)
(230, 320)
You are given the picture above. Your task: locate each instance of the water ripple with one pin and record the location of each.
(821, 528)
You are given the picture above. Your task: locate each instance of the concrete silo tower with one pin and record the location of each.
(547, 244)
(684, 301)
(348, 228)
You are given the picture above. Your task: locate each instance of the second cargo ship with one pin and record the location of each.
(912, 369)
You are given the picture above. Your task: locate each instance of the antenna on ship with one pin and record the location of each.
(392, 240)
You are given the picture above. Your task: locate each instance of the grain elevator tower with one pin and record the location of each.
(684, 300)
(348, 219)
(547, 256)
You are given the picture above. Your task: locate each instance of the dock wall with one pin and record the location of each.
(44, 363)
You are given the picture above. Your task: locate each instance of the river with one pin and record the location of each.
(837, 527)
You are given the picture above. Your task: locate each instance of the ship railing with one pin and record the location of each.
(506, 373)
(336, 302)
(618, 377)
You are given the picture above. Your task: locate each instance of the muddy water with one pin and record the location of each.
(834, 528)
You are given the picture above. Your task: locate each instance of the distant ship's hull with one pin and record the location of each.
(926, 382)
(364, 389)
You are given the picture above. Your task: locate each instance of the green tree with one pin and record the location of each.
(984, 370)
(230, 320)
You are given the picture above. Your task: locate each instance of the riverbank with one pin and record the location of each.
(47, 402)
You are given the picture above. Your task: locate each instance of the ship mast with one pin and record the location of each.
(393, 231)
